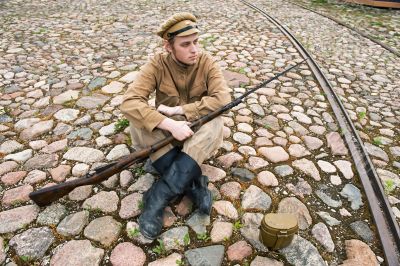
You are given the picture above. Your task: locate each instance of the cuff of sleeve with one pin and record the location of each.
(191, 111)
(153, 120)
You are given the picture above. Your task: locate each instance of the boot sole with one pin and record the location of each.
(146, 235)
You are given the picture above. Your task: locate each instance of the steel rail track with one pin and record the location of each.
(386, 224)
(362, 33)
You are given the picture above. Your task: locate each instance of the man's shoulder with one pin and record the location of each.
(158, 58)
(206, 57)
(154, 63)
(206, 60)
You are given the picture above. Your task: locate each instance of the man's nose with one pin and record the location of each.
(193, 48)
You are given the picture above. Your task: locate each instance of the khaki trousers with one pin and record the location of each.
(200, 146)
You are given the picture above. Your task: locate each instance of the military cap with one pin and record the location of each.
(180, 24)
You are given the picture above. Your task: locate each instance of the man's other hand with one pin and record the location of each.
(170, 111)
(180, 130)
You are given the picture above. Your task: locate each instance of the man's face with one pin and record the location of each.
(185, 49)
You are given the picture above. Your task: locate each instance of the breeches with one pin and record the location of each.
(200, 146)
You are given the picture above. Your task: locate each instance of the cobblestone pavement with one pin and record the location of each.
(63, 69)
(379, 23)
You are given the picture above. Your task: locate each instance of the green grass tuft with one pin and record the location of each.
(377, 141)
(361, 115)
(133, 232)
(203, 237)
(186, 239)
(160, 248)
(121, 124)
(237, 225)
(389, 186)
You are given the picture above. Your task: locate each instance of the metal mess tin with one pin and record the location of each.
(278, 229)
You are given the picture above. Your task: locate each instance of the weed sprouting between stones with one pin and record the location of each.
(361, 115)
(160, 248)
(138, 171)
(133, 232)
(203, 236)
(377, 141)
(121, 124)
(237, 225)
(389, 186)
(180, 262)
(186, 239)
(141, 205)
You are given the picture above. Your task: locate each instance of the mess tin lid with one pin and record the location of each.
(280, 221)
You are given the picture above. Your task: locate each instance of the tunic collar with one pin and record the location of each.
(181, 67)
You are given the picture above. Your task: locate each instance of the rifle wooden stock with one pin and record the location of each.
(45, 196)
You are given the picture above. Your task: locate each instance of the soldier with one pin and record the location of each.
(188, 84)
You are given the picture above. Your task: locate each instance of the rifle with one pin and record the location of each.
(45, 196)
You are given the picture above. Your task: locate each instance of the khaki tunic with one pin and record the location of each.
(199, 89)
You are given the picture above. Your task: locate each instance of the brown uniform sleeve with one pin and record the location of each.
(218, 95)
(135, 105)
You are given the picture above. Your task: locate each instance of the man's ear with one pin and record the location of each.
(167, 46)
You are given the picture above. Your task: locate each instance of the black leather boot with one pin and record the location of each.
(160, 166)
(201, 196)
(174, 180)
(162, 163)
(198, 191)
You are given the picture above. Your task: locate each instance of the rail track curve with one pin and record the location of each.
(386, 224)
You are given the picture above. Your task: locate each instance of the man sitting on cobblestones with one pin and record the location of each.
(188, 84)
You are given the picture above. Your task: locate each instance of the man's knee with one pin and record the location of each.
(141, 139)
(214, 128)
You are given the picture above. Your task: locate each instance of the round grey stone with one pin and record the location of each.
(84, 155)
(283, 170)
(302, 252)
(175, 238)
(327, 199)
(353, 194)
(243, 174)
(321, 233)
(104, 201)
(242, 138)
(255, 198)
(73, 224)
(362, 229)
(198, 222)
(67, 115)
(92, 102)
(210, 256)
(33, 243)
(97, 83)
(104, 230)
(82, 133)
(52, 214)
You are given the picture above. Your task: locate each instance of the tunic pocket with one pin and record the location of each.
(167, 95)
(199, 90)
(169, 90)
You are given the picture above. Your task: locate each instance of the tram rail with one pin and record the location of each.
(362, 33)
(386, 224)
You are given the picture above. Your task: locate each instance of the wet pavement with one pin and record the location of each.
(63, 71)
